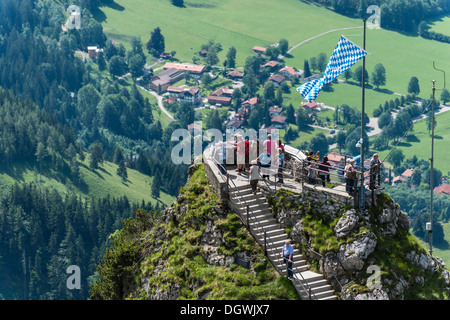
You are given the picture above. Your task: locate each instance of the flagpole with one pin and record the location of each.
(362, 191)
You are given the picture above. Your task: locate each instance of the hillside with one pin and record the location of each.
(188, 252)
(96, 184)
(191, 252)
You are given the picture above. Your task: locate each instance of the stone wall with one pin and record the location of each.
(217, 182)
(325, 201)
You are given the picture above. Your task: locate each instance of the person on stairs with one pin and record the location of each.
(288, 258)
(254, 175)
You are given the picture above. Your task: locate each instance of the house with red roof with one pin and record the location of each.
(257, 49)
(250, 103)
(442, 189)
(277, 79)
(279, 122)
(235, 75)
(407, 173)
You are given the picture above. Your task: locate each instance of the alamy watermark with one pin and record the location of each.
(74, 280)
(74, 20)
(374, 281)
(374, 21)
(232, 139)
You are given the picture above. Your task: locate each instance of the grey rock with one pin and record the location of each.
(352, 255)
(346, 224)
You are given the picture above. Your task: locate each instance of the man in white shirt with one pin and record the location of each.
(288, 257)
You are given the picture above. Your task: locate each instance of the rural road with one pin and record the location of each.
(314, 37)
(160, 102)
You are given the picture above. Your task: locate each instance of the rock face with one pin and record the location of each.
(356, 235)
(346, 224)
(353, 255)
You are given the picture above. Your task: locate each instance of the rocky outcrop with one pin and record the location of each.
(345, 255)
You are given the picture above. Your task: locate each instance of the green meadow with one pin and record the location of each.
(441, 25)
(242, 24)
(402, 56)
(97, 184)
(419, 143)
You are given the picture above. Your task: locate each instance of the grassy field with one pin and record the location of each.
(98, 183)
(419, 143)
(402, 56)
(441, 25)
(246, 24)
(344, 93)
(242, 24)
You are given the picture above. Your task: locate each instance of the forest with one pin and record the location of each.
(398, 15)
(55, 111)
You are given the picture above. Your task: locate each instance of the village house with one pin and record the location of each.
(221, 96)
(161, 82)
(165, 55)
(191, 95)
(194, 70)
(336, 160)
(442, 189)
(224, 101)
(271, 65)
(250, 103)
(223, 92)
(289, 72)
(93, 51)
(275, 111)
(407, 174)
(279, 122)
(234, 124)
(311, 106)
(235, 75)
(277, 79)
(260, 50)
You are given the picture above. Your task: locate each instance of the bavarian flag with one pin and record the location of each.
(345, 55)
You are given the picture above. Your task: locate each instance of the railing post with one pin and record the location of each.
(248, 213)
(265, 242)
(310, 293)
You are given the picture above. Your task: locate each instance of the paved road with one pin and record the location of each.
(160, 103)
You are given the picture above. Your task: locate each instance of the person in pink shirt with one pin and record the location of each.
(270, 145)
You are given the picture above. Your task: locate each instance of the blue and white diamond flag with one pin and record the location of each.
(345, 55)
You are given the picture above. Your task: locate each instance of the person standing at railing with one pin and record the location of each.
(240, 154)
(270, 145)
(265, 160)
(350, 176)
(312, 172)
(324, 170)
(280, 164)
(247, 153)
(375, 170)
(254, 175)
(288, 258)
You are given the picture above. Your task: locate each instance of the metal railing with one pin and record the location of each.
(254, 231)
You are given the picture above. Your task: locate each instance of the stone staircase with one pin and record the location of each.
(263, 221)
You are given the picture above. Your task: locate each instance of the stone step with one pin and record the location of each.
(262, 222)
(275, 253)
(273, 237)
(324, 295)
(253, 209)
(253, 204)
(256, 229)
(318, 283)
(271, 233)
(308, 276)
